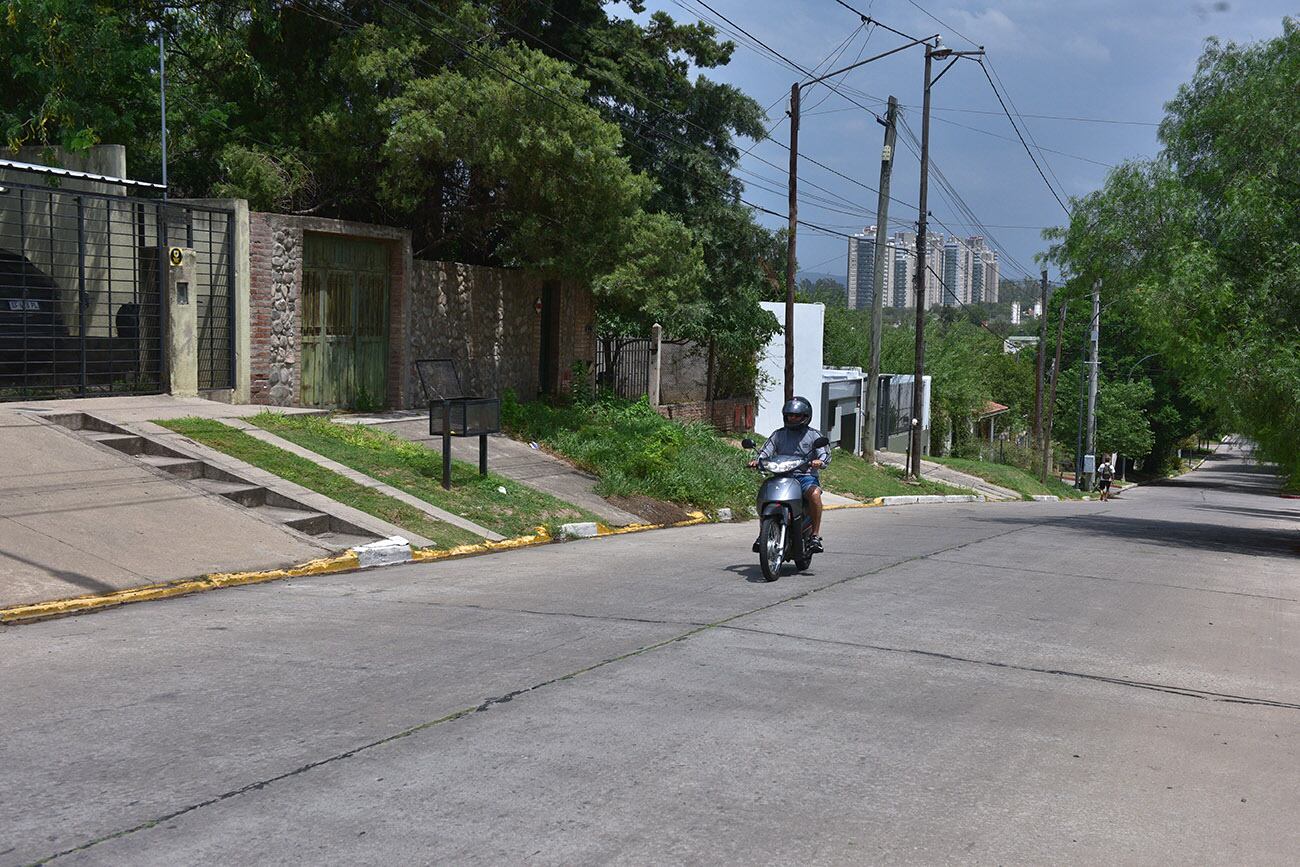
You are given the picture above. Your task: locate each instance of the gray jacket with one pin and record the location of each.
(795, 442)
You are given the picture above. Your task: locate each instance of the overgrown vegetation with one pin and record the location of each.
(303, 472)
(635, 451)
(413, 468)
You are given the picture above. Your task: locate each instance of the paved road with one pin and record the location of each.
(999, 683)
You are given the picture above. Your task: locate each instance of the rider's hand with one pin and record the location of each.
(817, 464)
(752, 464)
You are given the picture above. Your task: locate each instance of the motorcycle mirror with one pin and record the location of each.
(820, 442)
(747, 443)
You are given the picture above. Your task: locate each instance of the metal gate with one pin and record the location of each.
(81, 311)
(623, 366)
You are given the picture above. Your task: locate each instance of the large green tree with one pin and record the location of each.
(1198, 251)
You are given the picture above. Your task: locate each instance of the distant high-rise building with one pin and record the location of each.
(862, 263)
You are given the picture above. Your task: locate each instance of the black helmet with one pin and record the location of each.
(801, 409)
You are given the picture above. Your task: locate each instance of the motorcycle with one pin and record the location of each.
(785, 528)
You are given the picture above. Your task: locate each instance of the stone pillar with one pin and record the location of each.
(182, 361)
(656, 361)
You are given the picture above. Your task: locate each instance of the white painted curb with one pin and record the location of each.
(1046, 498)
(923, 499)
(385, 552)
(582, 530)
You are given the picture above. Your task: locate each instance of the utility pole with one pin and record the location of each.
(918, 280)
(1039, 362)
(790, 247)
(918, 391)
(1051, 398)
(878, 280)
(1093, 363)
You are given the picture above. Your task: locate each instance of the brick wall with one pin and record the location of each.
(729, 415)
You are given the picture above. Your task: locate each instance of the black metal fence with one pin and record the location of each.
(623, 366)
(81, 291)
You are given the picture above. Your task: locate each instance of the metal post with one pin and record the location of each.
(482, 454)
(790, 245)
(81, 288)
(446, 445)
(914, 463)
(1078, 434)
(162, 101)
(868, 438)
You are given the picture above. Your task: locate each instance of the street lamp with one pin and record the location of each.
(795, 90)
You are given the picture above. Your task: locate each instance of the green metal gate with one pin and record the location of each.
(345, 283)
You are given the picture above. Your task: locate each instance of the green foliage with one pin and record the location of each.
(1198, 252)
(851, 475)
(636, 451)
(1015, 478)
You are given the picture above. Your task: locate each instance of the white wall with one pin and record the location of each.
(808, 331)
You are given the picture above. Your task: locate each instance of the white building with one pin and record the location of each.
(809, 327)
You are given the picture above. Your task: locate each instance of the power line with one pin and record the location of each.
(1022, 139)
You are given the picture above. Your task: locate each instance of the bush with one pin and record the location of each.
(636, 451)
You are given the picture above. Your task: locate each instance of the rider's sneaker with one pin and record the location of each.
(815, 545)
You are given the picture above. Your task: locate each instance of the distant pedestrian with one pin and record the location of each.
(1105, 475)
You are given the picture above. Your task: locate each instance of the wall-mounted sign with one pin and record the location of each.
(176, 256)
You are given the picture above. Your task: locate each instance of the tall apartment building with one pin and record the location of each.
(862, 263)
(982, 269)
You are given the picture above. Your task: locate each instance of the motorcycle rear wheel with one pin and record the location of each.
(769, 548)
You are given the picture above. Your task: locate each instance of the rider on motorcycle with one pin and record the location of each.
(796, 438)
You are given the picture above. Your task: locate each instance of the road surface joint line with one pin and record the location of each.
(490, 703)
(1186, 691)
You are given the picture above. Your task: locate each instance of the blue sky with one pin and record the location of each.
(1118, 60)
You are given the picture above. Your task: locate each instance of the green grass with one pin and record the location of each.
(417, 470)
(1020, 480)
(303, 472)
(635, 451)
(851, 475)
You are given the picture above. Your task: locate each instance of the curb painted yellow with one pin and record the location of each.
(170, 589)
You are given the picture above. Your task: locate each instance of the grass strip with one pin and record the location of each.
(303, 472)
(1017, 479)
(851, 475)
(417, 470)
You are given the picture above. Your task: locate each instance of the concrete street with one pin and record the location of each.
(998, 683)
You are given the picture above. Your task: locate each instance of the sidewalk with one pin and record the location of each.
(77, 518)
(949, 476)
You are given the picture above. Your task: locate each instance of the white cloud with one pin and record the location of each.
(1087, 48)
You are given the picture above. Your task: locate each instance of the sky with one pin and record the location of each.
(1112, 60)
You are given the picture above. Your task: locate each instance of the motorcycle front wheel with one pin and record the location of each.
(769, 548)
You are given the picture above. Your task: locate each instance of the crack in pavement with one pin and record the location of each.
(1119, 580)
(503, 699)
(1189, 692)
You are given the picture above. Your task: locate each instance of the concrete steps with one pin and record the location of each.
(213, 480)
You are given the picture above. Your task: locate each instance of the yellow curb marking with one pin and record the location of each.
(170, 589)
(868, 504)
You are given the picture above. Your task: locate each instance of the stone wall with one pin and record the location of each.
(729, 415)
(683, 373)
(275, 275)
(484, 319)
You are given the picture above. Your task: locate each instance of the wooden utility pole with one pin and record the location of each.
(1039, 362)
(790, 248)
(878, 280)
(1094, 362)
(1051, 398)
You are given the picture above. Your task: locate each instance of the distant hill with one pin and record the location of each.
(814, 276)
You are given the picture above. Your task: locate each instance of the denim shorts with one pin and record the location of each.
(807, 482)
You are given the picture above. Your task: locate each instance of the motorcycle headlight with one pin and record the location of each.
(782, 466)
